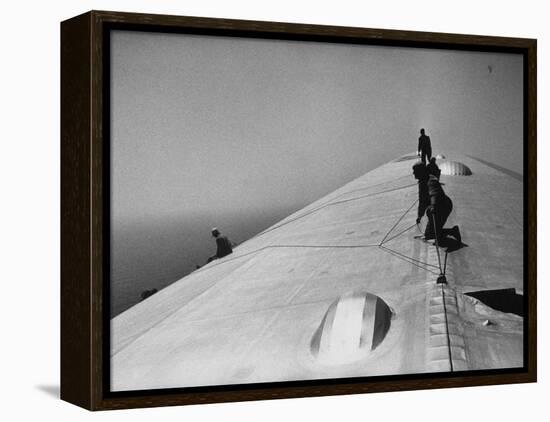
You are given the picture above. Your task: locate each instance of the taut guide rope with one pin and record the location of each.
(406, 258)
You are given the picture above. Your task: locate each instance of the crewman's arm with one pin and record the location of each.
(423, 202)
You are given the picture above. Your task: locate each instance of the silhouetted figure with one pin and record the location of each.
(433, 168)
(146, 293)
(438, 206)
(424, 146)
(223, 245)
(421, 174)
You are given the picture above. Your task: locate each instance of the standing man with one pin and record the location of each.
(424, 146)
(223, 245)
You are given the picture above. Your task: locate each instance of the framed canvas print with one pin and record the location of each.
(258, 210)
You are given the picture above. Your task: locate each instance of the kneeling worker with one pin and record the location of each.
(436, 204)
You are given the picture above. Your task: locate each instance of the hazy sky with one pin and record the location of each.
(209, 129)
(260, 123)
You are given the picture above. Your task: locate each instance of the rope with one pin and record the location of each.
(409, 257)
(410, 260)
(371, 194)
(283, 246)
(399, 256)
(368, 187)
(400, 233)
(447, 329)
(324, 246)
(398, 221)
(437, 245)
(327, 204)
(336, 197)
(406, 258)
(415, 262)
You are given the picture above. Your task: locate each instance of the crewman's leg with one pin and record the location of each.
(443, 212)
(429, 231)
(423, 157)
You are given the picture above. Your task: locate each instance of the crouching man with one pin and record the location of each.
(437, 206)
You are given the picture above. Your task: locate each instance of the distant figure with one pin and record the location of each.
(223, 245)
(424, 146)
(433, 168)
(438, 206)
(147, 293)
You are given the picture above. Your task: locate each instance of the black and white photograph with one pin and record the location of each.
(294, 210)
(275, 211)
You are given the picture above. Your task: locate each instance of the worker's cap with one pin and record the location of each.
(215, 230)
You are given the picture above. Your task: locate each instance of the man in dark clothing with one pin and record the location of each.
(421, 174)
(424, 146)
(433, 168)
(438, 206)
(223, 245)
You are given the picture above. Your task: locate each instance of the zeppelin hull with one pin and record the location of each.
(343, 288)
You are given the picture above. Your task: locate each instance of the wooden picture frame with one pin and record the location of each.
(85, 206)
